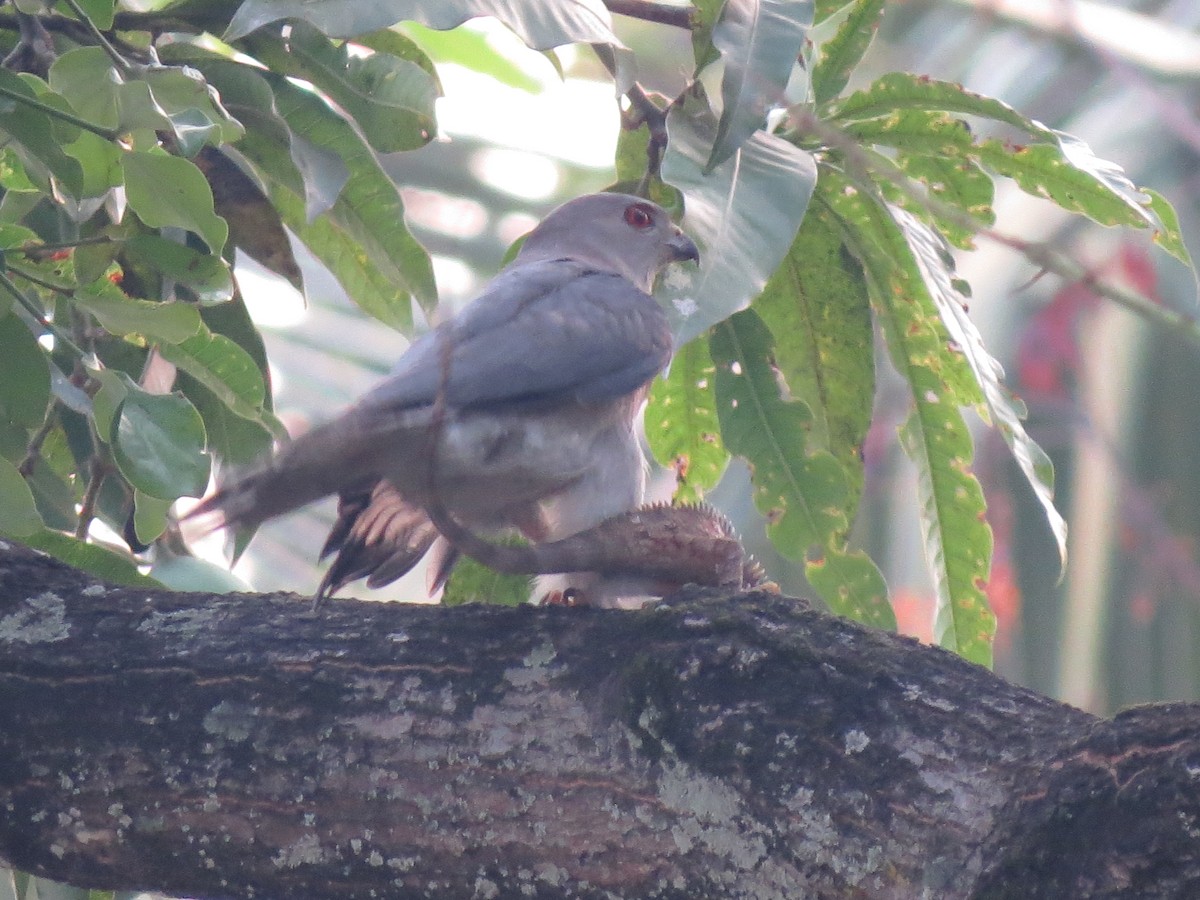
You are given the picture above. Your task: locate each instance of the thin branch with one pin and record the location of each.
(33, 449)
(98, 470)
(64, 289)
(118, 60)
(39, 317)
(1042, 255)
(33, 103)
(648, 11)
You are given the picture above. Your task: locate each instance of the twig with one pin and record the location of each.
(98, 470)
(39, 317)
(33, 103)
(648, 11)
(118, 60)
(34, 448)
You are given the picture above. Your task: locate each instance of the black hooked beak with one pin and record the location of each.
(683, 247)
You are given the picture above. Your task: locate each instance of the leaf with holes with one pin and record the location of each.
(852, 586)
(801, 493)
(841, 54)
(681, 422)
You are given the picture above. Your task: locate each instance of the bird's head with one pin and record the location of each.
(615, 232)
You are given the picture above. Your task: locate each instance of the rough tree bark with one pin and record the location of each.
(714, 746)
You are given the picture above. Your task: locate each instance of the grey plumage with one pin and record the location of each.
(540, 382)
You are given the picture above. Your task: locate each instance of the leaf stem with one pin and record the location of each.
(118, 60)
(65, 290)
(108, 134)
(34, 448)
(39, 317)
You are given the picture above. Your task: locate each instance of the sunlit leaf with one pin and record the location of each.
(149, 516)
(471, 48)
(681, 422)
(915, 131)
(167, 191)
(225, 369)
(473, 582)
(760, 42)
(744, 216)
(801, 493)
(958, 181)
(1167, 235)
(390, 99)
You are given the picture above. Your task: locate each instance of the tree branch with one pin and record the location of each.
(232, 746)
(662, 13)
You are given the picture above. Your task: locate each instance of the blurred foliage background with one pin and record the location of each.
(1108, 393)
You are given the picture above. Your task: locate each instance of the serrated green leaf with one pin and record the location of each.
(802, 493)
(24, 374)
(842, 53)
(681, 422)
(852, 586)
(744, 216)
(158, 443)
(1004, 410)
(473, 582)
(818, 310)
(760, 42)
(1167, 235)
(103, 562)
(390, 99)
(18, 513)
(956, 537)
(902, 90)
(167, 191)
(206, 275)
(915, 131)
(1070, 176)
(37, 141)
(958, 181)
(120, 314)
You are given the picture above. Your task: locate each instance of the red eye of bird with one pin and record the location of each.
(639, 216)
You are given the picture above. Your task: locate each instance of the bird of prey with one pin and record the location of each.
(518, 412)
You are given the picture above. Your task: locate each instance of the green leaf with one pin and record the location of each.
(99, 160)
(915, 131)
(206, 275)
(362, 239)
(187, 573)
(158, 444)
(232, 439)
(842, 53)
(744, 216)
(801, 493)
(1069, 175)
(167, 191)
(956, 538)
(760, 41)
(37, 141)
(852, 586)
(192, 107)
(225, 369)
(149, 517)
(1168, 236)
(473, 582)
(704, 20)
(18, 513)
(120, 314)
(390, 99)
(468, 47)
(24, 374)
(681, 422)
(109, 564)
(901, 90)
(818, 310)
(957, 181)
(541, 25)
(1003, 409)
